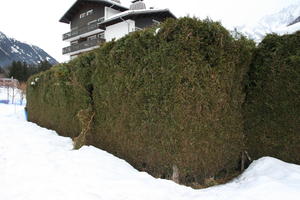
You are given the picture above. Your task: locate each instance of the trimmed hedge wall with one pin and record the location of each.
(55, 97)
(173, 98)
(157, 98)
(272, 109)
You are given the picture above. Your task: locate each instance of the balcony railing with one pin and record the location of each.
(83, 45)
(82, 30)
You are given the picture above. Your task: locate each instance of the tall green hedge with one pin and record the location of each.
(173, 96)
(157, 98)
(55, 97)
(272, 109)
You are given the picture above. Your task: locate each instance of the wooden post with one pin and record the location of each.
(13, 95)
(175, 176)
(7, 87)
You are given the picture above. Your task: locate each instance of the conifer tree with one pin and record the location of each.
(1, 70)
(18, 70)
(22, 71)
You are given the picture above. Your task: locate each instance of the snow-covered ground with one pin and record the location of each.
(36, 163)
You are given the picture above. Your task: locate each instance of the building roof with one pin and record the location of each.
(131, 14)
(66, 18)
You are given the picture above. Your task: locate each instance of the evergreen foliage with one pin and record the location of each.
(18, 70)
(173, 98)
(54, 97)
(272, 108)
(2, 72)
(22, 71)
(157, 98)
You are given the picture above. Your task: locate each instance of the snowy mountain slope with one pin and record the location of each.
(295, 21)
(275, 23)
(36, 163)
(289, 29)
(14, 50)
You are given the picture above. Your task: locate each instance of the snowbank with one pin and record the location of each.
(36, 163)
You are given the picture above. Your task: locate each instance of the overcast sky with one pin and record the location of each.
(36, 21)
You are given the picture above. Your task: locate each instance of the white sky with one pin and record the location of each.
(36, 21)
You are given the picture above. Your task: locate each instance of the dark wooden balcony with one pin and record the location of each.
(82, 30)
(83, 45)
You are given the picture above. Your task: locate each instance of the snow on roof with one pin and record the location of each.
(137, 12)
(2, 36)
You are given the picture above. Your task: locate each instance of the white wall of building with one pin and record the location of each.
(110, 12)
(119, 30)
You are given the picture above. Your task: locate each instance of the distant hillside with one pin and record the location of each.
(14, 50)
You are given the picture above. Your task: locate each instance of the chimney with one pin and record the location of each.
(137, 5)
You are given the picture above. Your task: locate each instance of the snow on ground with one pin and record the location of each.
(36, 163)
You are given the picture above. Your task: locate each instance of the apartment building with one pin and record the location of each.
(93, 22)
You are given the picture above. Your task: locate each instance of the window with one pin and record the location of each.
(137, 29)
(85, 14)
(155, 22)
(82, 15)
(100, 19)
(74, 30)
(90, 12)
(74, 42)
(92, 25)
(101, 35)
(92, 22)
(93, 37)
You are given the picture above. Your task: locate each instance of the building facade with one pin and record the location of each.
(93, 22)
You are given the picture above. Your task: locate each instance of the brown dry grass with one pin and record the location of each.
(22, 86)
